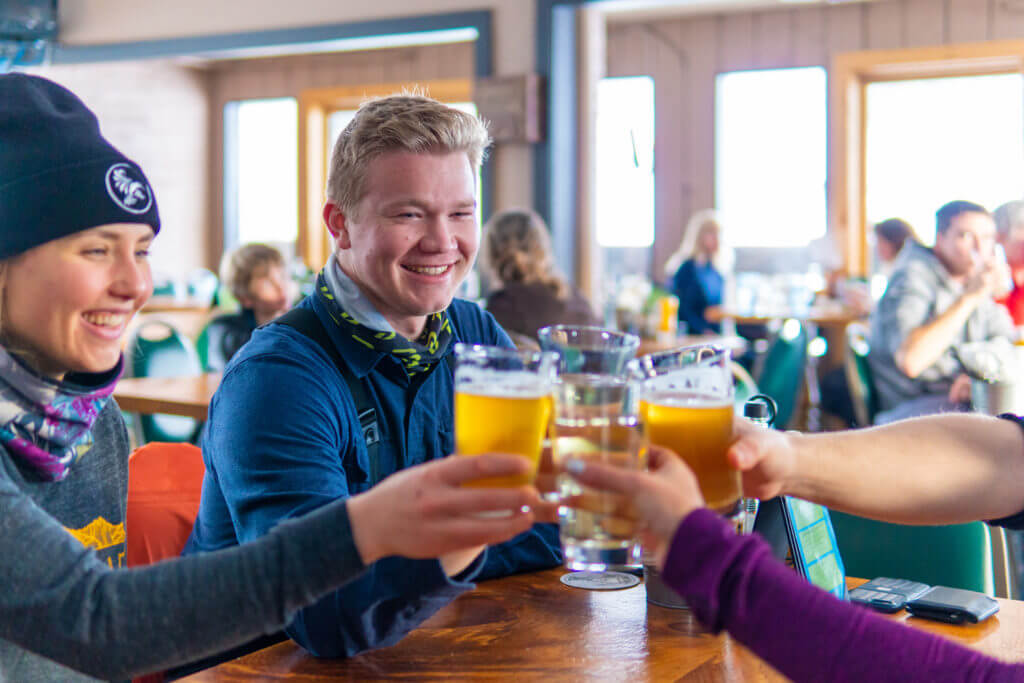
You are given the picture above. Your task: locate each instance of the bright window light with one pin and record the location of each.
(933, 140)
(624, 211)
(261, 171)
(770, 156)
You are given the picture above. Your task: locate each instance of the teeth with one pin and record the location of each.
(428, 270)
(106, 319)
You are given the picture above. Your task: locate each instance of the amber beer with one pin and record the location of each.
(699, 430)
(512, 418)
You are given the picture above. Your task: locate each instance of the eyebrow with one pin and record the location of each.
(419, 203)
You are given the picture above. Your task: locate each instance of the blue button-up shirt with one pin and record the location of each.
(284, 438)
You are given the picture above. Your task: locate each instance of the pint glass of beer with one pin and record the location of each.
(686, 400)
(503, 404)
(596, 419)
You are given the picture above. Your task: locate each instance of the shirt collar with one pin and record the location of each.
(348, 295)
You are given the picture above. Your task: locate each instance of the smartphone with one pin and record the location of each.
(888, 595)
(953, 605)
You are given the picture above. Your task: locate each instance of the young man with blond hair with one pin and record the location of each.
(320, 408)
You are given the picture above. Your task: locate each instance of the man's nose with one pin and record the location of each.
(440, 235)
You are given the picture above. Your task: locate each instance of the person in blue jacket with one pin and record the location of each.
(286, 434)
(696, 272)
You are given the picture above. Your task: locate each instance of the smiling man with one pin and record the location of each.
(356, 382)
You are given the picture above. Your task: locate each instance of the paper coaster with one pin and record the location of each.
(600, 581)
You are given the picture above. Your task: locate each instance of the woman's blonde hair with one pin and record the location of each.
(515, 248)
(690, 244)
(411, 123)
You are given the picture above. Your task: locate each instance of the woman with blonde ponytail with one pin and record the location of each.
(527, 292)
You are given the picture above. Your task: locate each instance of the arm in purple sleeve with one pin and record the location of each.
(734, 583)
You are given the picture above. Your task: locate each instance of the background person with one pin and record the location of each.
(697, 271)
(255, 274)
(72, 274)
(527, 292)
(733, 583)
(287, 433)
(936, 300)
(1009, 220)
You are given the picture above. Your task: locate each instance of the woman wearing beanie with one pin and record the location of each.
(76, 221)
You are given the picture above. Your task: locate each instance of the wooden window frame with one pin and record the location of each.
(313, 244)
(849, 77)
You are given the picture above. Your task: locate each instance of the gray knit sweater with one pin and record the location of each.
(69, 613)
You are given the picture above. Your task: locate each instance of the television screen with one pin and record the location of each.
(28, 20)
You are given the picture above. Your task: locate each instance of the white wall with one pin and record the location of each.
(155, 113)
(92, 22)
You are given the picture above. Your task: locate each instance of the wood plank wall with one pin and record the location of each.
(289, 76)
(684, 55)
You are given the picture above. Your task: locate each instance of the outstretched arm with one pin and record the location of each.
(942, 469)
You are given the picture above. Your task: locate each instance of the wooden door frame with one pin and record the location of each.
(849, 77)
(315, 105)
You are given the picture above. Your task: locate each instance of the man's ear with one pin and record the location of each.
(337, 225)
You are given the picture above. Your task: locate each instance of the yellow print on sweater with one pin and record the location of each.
(101, 535)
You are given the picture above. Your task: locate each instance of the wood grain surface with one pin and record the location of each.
(186, 396)
(531, 627)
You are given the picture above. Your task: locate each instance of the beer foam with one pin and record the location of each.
(487, 382)
(683, 400)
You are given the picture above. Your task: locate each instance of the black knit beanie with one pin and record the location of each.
(58, 175)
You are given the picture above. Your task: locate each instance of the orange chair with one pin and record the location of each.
(165, 482)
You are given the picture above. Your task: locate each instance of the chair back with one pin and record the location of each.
(158, 349)
(782, 373)
(743, 385)
(957, 555)
(165, 482)
(858, 374)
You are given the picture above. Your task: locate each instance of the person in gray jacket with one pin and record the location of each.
(937, 299)
(76, 222)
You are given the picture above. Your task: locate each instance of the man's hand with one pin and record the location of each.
(765, 457)
(960, 392)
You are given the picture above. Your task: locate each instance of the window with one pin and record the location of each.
(624, 162)
(933, 140)
(770, 156)
(260, 169)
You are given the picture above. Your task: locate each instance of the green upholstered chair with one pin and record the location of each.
(782, 373)
(957, 555)
(158, 349)
(858, 374)
(743, 384)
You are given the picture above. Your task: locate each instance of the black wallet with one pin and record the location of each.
(953, 605)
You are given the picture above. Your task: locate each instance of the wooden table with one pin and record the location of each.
(186, 396)
(832, 313)
(531, 627)
(163, 304)
(737, 345)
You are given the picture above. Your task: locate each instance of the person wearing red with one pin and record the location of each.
(1010, 234)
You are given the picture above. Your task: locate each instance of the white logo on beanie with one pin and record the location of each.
(128, 189)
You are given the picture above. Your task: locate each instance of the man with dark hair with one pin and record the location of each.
(937, 299)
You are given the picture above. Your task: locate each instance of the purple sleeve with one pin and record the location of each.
(734, 583)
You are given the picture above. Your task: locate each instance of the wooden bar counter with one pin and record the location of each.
(531, 627)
